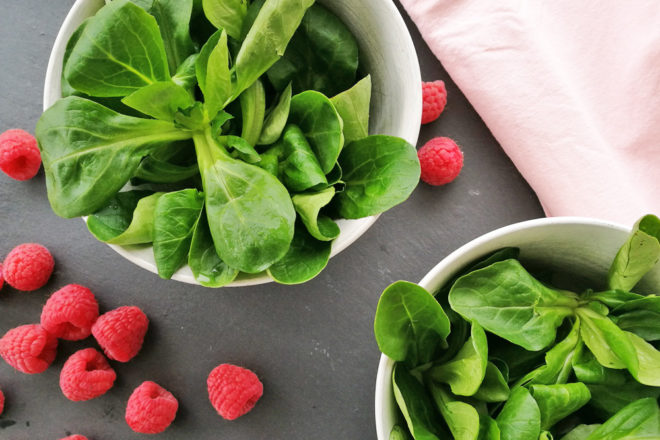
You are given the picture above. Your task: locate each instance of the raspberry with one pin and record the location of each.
(120, 332)
(19, 154)
(28, 267)
(2, 278)
(70, 312)
(434, 97)
(233, 390)
(2, 402)
(441, 161)
(75, 437)
(28, 348)
(86, 375)
(151, 409)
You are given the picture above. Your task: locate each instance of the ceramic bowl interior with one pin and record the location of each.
(387, 53)
(579, 250)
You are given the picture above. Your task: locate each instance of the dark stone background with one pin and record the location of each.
(312, 345)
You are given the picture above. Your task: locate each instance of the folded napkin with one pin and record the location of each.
(570, 89)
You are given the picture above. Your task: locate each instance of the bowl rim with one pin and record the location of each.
(52, 92)
(385, 364)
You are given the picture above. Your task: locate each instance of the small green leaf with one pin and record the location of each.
(638, 420)
(506, 300)
(606, 341)
(173, 17)
(353, 107)
(461, 417)
(121, 214)
(520, 418)
(308, 207)
(305, 259)
(380, 172)
(276, 119)
(416, 406)
(99, 66)
(159, 100)
(226, 14)
(175, 220)
(580, 432)
(399, 433)
(207, 267)
(318, 119)
(558, 401)
(299, 168)
(253, 109)
(466, 371)
(217, 84)
(640, 316)
(494, 387)
(637, 256)
(410, 325)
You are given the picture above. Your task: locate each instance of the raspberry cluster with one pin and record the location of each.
(72, 314)
(440, 159)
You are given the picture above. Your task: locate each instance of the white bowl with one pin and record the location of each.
(576, 246)
(388, 54)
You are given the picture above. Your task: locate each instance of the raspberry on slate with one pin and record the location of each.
(233, 390)
(2, 402)
(70, 313)
(86, 375)
(441, 161)
(75, 437)
(28, 267)
(151, 409)
(20, 158)
(434, 96)
(28, 348)
(120, 332)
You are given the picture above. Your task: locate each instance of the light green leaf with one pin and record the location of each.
(637, 256)
(173, 17)
(558, 401)
(267, 39)
(353, 107)
(466, 371)
(520, 418)
(416, 406)
(379, 172)
(306, 258)
(506, 300)
(308, 207)
(175, 220)
(461, 417)
(90, 152)
(100, 64)
(217, 83)
(410, 324)
(299, 169)
(159, 100)
(494, 387)
(253, 109)
(227, 15)
(276, 119)
(639, 420)
(207, 267)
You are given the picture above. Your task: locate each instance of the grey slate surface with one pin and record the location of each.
(312, 345)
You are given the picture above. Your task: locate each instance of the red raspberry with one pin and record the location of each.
(86, 375)
(233, 390)
(75, 437)
(2, 278)
(441, 161)
(70, 312)
(434, 97)
(19, 154)
(151, 409)
(2, 402)
(28, 348)
(120, 332)
(28, 267)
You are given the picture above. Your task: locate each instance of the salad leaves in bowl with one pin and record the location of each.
(230, 142)
(543, 329)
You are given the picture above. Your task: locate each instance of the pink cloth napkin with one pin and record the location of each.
(570, 89)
